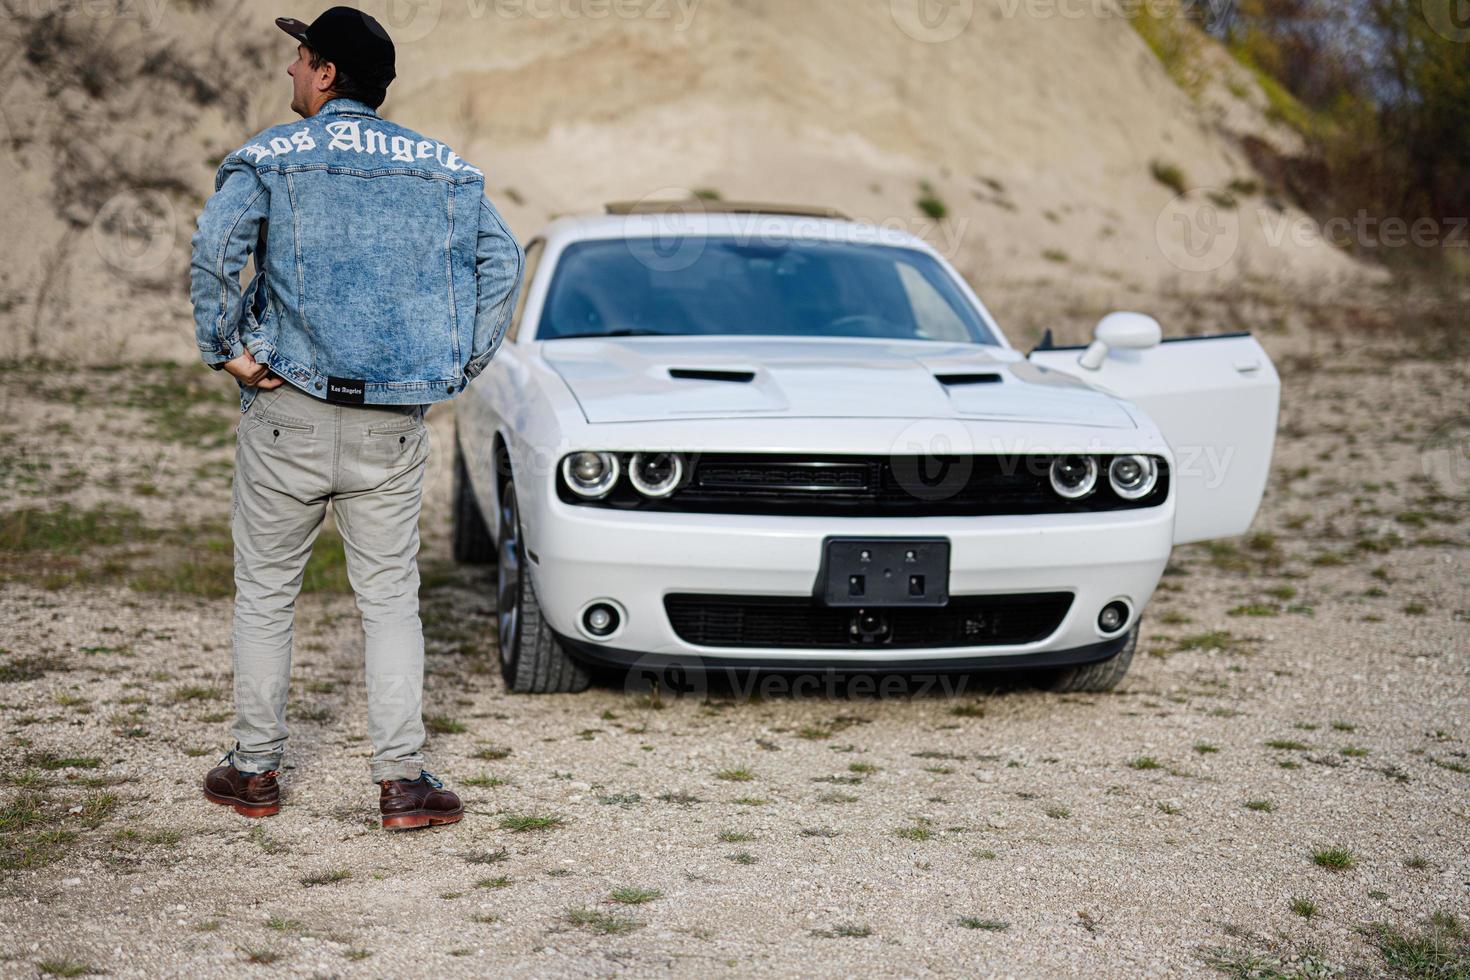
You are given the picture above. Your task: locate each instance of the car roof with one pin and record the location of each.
(749, 222)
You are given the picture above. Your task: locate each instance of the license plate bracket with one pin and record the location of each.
(884, 572)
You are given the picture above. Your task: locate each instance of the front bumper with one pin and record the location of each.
(658, 664)
(580, 555)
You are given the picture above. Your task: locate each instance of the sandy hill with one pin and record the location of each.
(1042, 137)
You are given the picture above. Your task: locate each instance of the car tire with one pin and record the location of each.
(1101, 676)
(532, 660)
(471, 537)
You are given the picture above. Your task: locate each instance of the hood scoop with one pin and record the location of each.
(710, 374)
(958, 380)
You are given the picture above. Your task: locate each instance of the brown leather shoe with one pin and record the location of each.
(251, 794)
(407, 804)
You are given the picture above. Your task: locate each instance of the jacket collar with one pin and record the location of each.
(340, 104)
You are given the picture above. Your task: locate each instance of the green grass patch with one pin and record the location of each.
(1257, 609)
(1438, 950)
(68, 530)
(632, 895)
(930, 203)
(918, 832)
(1334, 858)
(444, 725)
(984, 925)
(528, 822)
(1170, 175)
(1219, 640)
(51, 762)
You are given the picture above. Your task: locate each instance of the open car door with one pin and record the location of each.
(1215, 400)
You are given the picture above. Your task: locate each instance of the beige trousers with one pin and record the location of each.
(294, 453)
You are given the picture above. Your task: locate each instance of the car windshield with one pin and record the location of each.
(706, 286)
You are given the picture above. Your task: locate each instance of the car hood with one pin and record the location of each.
(648, 379)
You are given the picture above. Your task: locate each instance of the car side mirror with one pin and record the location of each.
(1125, 331)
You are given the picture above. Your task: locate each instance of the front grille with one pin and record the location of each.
(804, 623)
(869, 486)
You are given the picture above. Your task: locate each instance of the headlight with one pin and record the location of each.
(590, 475)
(656, 474)
(1074, 477)
(1133, 477)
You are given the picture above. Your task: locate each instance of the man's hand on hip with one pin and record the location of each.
(252, 373)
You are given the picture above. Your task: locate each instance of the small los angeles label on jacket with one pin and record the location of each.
(346, 391)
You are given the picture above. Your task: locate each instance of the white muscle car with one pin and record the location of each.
(769, 438)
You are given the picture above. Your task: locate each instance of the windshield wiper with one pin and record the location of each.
(627, 332)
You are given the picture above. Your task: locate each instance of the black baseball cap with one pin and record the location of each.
(352, 40)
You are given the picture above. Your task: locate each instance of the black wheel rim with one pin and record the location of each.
(508, 579)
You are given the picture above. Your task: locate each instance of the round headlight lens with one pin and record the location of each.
(1133, 477)
(591, 475)
(1113, 617)
(1074, 477)
(656, 474)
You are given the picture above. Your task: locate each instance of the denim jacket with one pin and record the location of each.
(383, 275)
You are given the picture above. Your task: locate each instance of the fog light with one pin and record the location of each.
(590, 475)
(1074, 477)
(601, 619)
(1113, 617)
(656, 474)
(1133, 477)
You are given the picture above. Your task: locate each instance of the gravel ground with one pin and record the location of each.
(1299, 691)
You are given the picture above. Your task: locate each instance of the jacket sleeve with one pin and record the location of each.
(226, 235)
(500, 265)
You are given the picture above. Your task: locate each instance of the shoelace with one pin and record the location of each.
(431, 779)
